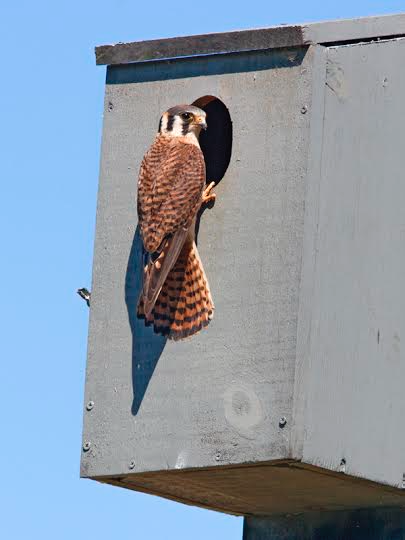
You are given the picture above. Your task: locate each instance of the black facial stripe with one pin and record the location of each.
(160, 124)
(184, 128)
(170, 122)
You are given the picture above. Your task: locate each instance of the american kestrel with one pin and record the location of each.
(175, 297)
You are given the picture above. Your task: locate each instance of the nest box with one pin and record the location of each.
(292, 399)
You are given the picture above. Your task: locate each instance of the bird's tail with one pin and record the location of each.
(184, 305)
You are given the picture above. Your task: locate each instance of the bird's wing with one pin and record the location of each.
(170, 187)
(156, 272)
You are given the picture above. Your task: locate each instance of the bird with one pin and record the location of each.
(175, 297)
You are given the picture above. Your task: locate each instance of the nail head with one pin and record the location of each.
(282, 422)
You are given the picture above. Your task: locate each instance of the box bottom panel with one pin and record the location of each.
(263, 489)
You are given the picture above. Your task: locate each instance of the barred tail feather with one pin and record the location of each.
(184, 305)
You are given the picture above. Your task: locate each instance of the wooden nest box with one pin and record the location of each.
(293, 398)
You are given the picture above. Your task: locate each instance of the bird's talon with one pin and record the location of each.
(207, 195)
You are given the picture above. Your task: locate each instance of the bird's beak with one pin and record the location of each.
(201, 122)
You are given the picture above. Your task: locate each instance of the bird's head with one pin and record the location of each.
(182, 120)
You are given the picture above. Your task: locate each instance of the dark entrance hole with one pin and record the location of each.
(216, 141)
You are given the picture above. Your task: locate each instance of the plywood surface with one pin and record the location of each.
(355, 365)
(217, 398)
(265, 489)
(254, 39)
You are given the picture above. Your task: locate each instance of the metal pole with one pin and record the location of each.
(363, 524)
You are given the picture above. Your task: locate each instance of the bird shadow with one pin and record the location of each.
(204, 207)
(147, 346)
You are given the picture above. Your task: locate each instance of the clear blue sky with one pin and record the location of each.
(51, 114)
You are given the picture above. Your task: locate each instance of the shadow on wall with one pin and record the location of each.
(147, 346)
(194, 66)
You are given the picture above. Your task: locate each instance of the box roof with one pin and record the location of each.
(329, 32)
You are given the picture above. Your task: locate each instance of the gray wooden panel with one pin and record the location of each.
(255, 39)
(313, 179)
(355, 403)
(354, 29)
(217, 398)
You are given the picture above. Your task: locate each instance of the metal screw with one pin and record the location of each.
(90, 405)
(217, 456)
(304, 109)
(131, 464)
(342, 466)
(110, 106)
(282, 422)
(86, 446)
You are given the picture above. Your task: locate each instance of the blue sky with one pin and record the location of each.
(51, 115)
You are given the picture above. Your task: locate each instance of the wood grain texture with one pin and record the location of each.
(264, 489)
(355, 402)
(363, 28)
(217, 398)
(253, 40)
(304, 253)
(238, 41)
(309, 252)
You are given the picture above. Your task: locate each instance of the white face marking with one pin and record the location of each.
(177, 130)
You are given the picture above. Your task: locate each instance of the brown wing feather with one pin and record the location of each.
(171, 182)
(157, 271)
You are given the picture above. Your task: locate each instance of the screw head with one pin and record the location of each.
(217, 456)
(90, 405)
(282, 422)
(86, 446)
(304, 109)
(131, 464)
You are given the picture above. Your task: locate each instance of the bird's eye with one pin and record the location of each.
(186, 116)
